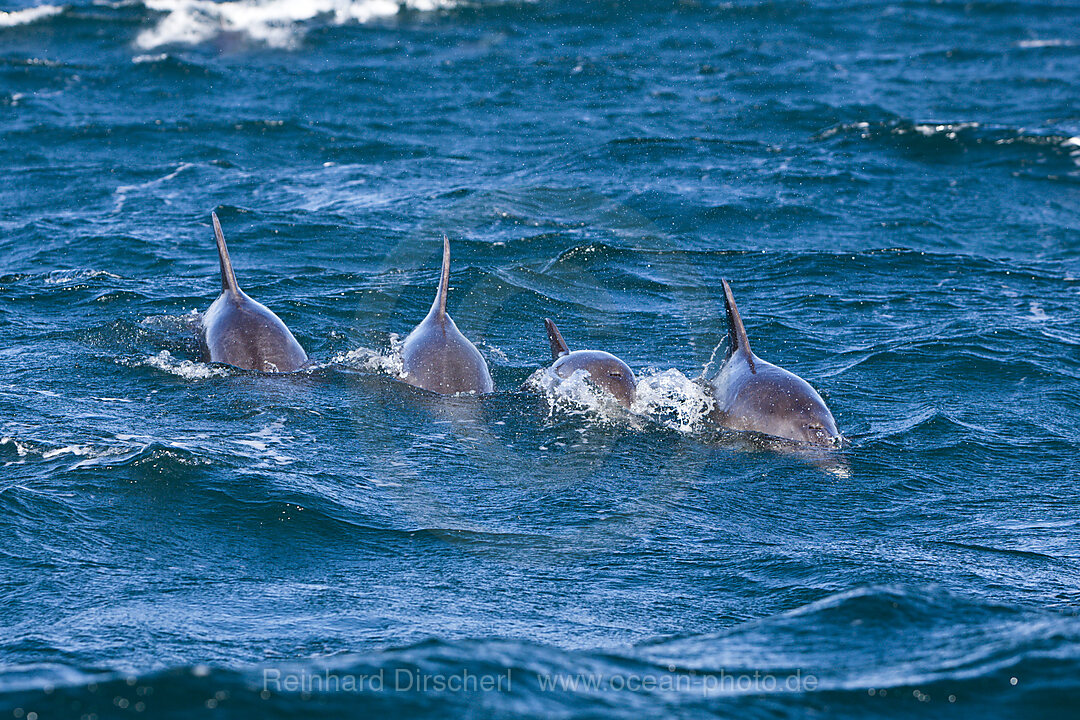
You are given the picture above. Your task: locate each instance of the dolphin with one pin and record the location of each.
(604, 369)
(756, 396)
(436, 356)
(239, 331)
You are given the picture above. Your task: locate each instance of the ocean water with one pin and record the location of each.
(892, 188)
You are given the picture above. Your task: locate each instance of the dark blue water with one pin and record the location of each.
(893, 190)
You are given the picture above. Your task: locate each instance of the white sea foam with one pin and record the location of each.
(267, 444)
(20, 447)
(1037, 313)
(949, 130)
(1072, 145)
(278, 23)
(65, 277)
(67, 450)
(183, 368)
(122, 191)
(24, 449)
(29, 15)
(139, 59)
(1049, 42)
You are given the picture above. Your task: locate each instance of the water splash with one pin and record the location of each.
(667, 398)
(187, 369)
(387, 362)
(673, 400)
(575, 394)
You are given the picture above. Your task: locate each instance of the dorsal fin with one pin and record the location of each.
(228, 278)
(438, 308)
(558, 345)
(737, 340)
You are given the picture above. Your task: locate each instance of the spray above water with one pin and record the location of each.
(667, 399)
(187, 369)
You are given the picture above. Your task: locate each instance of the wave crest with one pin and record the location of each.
(277, 23)
(14, 18)
(996, 145)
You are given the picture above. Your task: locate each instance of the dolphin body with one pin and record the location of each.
(239, 331)
(604, 369)
(436, 356)
(756, 396)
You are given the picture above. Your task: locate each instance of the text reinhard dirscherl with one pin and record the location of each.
(414, 680)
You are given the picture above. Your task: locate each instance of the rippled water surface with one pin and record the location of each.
(891, 188)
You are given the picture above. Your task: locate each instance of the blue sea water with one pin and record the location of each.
(892, 188)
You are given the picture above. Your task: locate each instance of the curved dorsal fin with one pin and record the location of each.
(558, 345)
(737, 341)
(438, 308)
(228, 278)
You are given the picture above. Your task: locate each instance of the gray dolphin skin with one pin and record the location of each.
(757, 396)
(239, 331)
(605, 370)
(436, 356)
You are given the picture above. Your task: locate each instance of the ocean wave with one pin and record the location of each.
(989, 639)
(277, 23)
(18, 449)
(265, 448)
(901, 647)
(14, 18)
(72, 278)
(21, 504)
(126, 450)
(938, 142)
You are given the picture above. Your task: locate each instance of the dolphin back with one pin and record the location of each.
(753, 395)
(439, 358)
(436, 356)
(241, 332)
